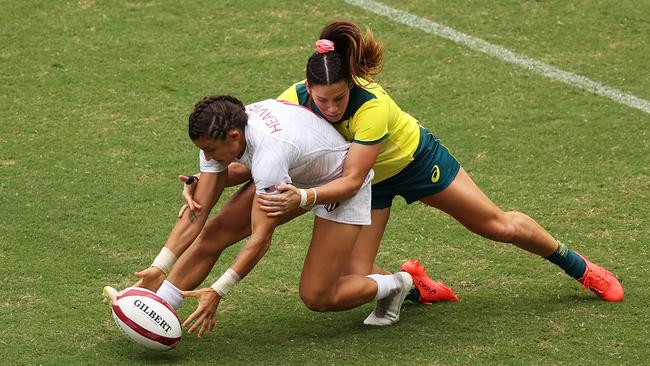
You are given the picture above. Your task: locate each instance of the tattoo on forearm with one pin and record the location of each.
(192, 216)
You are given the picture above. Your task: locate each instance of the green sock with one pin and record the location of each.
(413, 295)
(569, 261)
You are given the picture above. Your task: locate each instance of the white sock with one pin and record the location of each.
(385, 285)
(171, 294)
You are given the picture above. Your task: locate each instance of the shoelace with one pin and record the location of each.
(594, 281)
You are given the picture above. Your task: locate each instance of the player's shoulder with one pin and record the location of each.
(296, 93)
(369, 102)
(273, 120)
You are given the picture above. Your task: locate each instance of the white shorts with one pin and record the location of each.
(354, 211)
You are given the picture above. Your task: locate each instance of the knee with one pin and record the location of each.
(315, 301)
(501, 228)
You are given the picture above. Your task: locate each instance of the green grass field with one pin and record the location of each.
(94, 99)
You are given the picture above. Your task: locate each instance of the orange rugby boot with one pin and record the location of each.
(601, 282)
(430, 290)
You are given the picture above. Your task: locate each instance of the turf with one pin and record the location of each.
(94, 98)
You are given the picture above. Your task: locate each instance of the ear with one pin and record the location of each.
(308, 87)
(235, 134)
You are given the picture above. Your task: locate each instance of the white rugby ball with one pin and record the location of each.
(147, 319)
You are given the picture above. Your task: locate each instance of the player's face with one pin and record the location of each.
(223, 151)
(331, 100)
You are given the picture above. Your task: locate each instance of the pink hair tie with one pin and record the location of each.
(324, 46)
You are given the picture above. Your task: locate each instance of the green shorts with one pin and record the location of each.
(432, 170)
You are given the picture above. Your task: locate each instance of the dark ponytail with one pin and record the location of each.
(354, 56)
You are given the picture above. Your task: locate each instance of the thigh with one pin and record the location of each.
(367, 244)
(234, 218)
(328, 254)
(465, 201)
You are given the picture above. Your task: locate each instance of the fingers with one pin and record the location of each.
(275, 214)
(273, 211)
(269, 203)
(278, 201)
(271, 197)
(188, 293)
(182, 210)
(188, 191)
(190, 319)
(211, 323)
(285, 187)
(140, 282)
(203, 317)
(273, 206)
(204, 326)
(189, 200)
(205, 320)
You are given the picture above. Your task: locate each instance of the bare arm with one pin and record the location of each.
(208, 191)
(255, 248)
(258, 244)
(238, 173)
(187, 228)
(357, 164)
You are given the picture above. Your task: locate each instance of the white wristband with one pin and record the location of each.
(303, 198)
(165, 260)
(315, 197)
(226, 282)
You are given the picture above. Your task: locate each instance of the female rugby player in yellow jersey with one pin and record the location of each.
(408, 160)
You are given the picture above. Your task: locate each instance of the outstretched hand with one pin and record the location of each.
(151, 278)
(188, 193)
(205, 314)
(280, 203)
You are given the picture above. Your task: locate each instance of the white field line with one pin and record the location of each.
(480, 45)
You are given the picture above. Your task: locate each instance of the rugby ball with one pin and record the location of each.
(146, 319)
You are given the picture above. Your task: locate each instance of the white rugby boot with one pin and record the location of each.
(109, 294)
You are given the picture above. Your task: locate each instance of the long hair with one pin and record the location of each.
(354, 57)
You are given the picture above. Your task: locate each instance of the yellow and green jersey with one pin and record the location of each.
(371, 117)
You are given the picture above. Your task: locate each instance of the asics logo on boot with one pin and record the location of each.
(429, 290)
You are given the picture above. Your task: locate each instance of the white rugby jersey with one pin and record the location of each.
(287, 143)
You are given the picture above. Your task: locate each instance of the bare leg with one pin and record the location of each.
(464, 201)
(229, 226)
(367, 244)
(322, 285)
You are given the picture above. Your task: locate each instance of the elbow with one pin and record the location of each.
(355, 187)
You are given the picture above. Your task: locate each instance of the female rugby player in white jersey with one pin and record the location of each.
(280, 143)
(408, 161)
